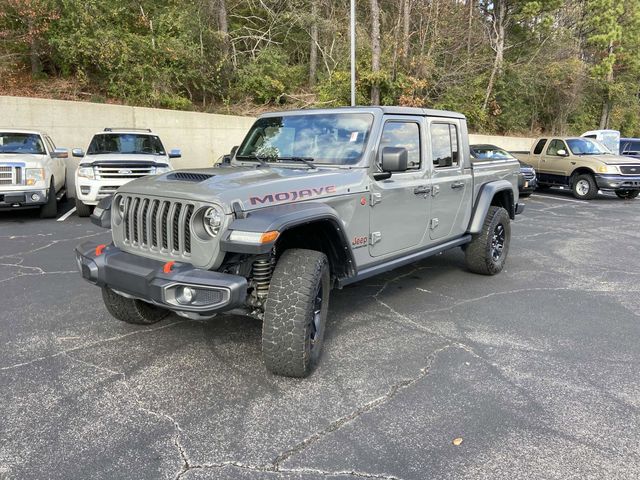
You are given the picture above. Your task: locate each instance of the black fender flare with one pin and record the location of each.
(282, 218)
(483, 202)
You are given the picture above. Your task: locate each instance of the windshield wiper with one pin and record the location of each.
(257, 158)
(306, 160)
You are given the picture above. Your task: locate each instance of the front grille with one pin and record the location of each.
(10, 175)
(157, 225)
(630, 169)
(124, 171)
(529, 175)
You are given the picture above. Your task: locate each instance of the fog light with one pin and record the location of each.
(185, 295)
(35, 197)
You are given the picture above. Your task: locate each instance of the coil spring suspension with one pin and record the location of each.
(262, 270)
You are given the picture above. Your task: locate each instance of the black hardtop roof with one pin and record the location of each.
(428, 112)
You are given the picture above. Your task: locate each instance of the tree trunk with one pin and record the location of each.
(313, 53)
(406, 28)
(469, 25)
(34, 47)
(375, 50)
(606, 104)
(223, 26)
(498, 24)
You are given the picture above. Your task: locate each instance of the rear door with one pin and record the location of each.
(536, 154)
(400, 204)
(451, 180)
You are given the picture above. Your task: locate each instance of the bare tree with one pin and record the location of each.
(406, 29)
(498, 15)
(313, 53)
(375, 50)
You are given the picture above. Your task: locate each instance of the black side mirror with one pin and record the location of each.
(101, 215)
(233, 151)
(394, 159)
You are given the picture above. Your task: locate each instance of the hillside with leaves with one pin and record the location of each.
(512, 66)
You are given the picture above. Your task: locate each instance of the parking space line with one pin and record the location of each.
(67, 215)
(561, 199)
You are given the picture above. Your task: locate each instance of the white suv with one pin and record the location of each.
(115, 157)
(32, 171)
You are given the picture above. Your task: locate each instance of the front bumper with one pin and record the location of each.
(23, 198)
(145, 279)
(90, 191)
(618, 182)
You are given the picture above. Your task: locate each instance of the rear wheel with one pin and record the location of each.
(295, 313)
(82, 209)
(130, 310)
(50, 209)
(584, 187)
(487, 252)
(627, 194)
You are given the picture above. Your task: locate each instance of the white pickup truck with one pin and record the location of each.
(115, 157)
(32, 171)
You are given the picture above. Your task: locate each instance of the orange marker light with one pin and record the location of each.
(100, 249)
(268, 237)
(168, 266)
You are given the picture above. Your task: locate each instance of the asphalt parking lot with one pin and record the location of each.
(536, 369)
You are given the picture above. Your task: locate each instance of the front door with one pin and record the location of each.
(451, 180)
(553, 166)
(399, 205)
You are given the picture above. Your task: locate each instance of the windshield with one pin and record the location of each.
(489, 152)
(125, 143)
(586, 146)
(336, 139)
(21, 143)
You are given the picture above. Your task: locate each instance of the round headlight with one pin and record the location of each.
(212, 219)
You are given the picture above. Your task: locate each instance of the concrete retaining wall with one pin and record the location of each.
(202, 137)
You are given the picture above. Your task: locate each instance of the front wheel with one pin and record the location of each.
(584, 187)
(295, 313)
(627, 194)
(82, 209)
(50, 209)
(131, 311)
(487, 252)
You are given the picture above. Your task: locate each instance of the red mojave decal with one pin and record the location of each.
(292, 196)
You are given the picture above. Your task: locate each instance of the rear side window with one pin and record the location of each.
(632, 147)
(444, 145)
(539, 146)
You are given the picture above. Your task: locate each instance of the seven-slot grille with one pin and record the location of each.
(529, 175)
(158, 225)
(10, 175)
(127, 171)
(630, 169)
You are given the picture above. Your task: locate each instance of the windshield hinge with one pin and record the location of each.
(375, 198)
(375, 237)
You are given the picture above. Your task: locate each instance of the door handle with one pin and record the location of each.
(457, 185)
(422, 190)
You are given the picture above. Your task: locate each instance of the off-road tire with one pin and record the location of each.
(131, 311)
(82, 209)
(591, 192)
(627, 194)
(291, 344)
(480, 253)
(50, 209)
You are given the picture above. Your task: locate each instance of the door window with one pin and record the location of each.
(539, 146)
(406, 135)
(444, 145)
(555, 146)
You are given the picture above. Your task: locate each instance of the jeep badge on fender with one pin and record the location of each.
(311, 201)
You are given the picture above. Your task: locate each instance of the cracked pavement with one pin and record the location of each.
(535, 369)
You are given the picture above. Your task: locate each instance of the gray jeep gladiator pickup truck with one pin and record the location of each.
(311, 200)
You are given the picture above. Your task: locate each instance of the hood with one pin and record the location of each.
(252, 187)
(524, 164)
(122, 157)
(612, 159)
(20, 158)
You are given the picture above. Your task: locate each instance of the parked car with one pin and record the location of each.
(312, 200)
(584, 165)
(32, 171)
(487, 153)
(609, 138)
(115, 157)
(630, 147)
